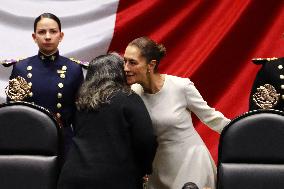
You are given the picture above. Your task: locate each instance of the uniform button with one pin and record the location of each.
(62, 76)
(64, 67)
(29, 75)
(281, 76)
(58, 115)
(29, 68)
(59, 95)
(280, 67)
(282, 96)
(59, 105)
(31, 94)
(282, 86)
(30, 84)
(60, 85)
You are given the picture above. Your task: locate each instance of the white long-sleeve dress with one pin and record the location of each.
(181, 155)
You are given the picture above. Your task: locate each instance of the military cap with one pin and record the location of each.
(259, 61)
(268, 88)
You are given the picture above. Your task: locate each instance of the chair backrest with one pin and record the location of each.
(251, 152)
(29, 147)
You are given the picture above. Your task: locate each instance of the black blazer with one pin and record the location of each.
(113, 147)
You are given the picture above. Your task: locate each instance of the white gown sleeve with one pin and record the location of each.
(209, 116)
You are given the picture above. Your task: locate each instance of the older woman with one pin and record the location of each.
(114, 144)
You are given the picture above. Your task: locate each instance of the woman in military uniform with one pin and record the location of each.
(47, 79)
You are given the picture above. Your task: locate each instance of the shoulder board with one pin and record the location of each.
(259, 61)
(10, 62)
(82, 63)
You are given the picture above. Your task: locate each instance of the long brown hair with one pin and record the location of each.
(105, 76)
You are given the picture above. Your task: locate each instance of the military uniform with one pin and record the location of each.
(54, 81)
(268, 88)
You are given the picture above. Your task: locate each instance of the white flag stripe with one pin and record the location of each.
(59, 7)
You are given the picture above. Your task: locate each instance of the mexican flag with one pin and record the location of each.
(210, 42)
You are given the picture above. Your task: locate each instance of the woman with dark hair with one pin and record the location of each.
(114, 144)
(181, 154)
(50, 80)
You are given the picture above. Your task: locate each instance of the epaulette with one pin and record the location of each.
(10, 62)
(259, 61)
(84, 64)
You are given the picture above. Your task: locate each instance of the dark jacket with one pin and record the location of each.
(113, 147)
(54, 82)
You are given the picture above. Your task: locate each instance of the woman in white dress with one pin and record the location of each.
(181, 155)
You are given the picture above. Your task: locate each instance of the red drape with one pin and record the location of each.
(211, 42)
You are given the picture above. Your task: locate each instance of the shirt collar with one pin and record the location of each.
(48, 58)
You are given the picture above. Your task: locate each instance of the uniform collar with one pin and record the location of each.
(49, 58)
